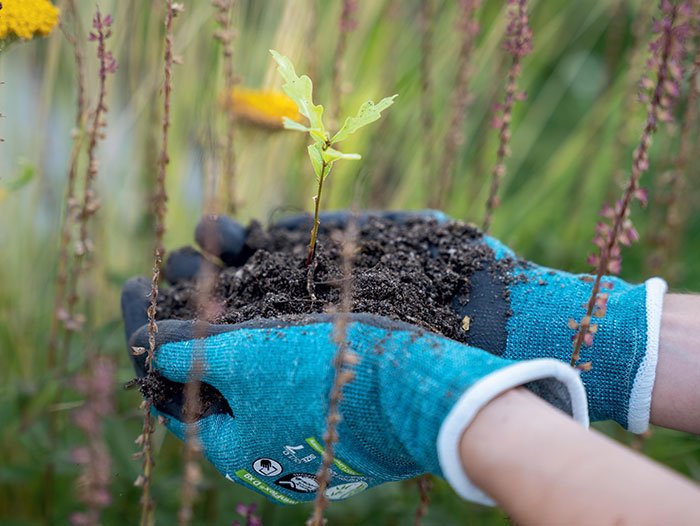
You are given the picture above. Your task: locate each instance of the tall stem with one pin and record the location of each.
(343, 363)
(504, 134)
(659, 103)
(160, 199)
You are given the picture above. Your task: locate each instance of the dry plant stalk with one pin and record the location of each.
(518, 44)
(426, 91)
(667, 61)
(206, 281)
(2, 83)
(73, 40)
(343, 363)
(59, 310)
(86, 207)
(669, 234)
(159, 207)
(225, 35)
(192, 473)
(627, 129)
(93, 486)
(468, 28)
(346, 23)
(425, 486)
(207, 311)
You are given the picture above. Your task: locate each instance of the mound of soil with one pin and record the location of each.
(413, 271)
(410, 271)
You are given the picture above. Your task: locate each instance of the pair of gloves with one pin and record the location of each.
(414, 392)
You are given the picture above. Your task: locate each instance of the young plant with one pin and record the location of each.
(322, 152)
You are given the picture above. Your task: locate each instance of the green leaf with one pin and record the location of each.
(289, 124)
(26, 175)
(300, 90)
(319, 135)
(316, 156)
(369, 112)
(331, 155)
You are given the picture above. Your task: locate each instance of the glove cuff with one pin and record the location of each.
(553, 380)
(640, 396)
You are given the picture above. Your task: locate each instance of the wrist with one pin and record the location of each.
(675, 397)
(553, 381)
(494, 436)
(543, 469)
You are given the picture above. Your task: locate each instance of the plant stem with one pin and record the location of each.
(518, 43)
(317, 203)
(90, 203)
(147, 505)
(192, 475)
(346, 23)
(469, 30)
(225, 35)
(59, 310)
(206, 311)
(159, 204)
(672, 225)
(426, 92)
(343, 363)
(425, 485)
(640, 164)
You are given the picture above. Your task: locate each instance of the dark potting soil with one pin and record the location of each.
(410, 271)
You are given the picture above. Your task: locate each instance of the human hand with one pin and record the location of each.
(520, 310)
(268, 382)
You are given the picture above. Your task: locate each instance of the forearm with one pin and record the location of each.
(675, 401)
(543, 468)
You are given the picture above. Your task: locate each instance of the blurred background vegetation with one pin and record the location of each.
(571, 146)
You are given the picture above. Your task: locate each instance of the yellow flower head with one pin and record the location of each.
(264, 108)
(26, 18)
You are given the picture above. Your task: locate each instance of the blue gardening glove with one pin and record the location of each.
(403, 414)
(519, 310)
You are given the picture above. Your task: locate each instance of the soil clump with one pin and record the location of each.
(410, 271)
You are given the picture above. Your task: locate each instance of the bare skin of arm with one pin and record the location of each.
(675, 401)
(544, 468)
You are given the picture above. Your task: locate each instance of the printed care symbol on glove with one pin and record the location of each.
(343, 491)
(291, 453)
(299, 482)
(267, 467)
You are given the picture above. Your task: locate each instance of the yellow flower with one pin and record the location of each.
(262, 107)
(26, 18)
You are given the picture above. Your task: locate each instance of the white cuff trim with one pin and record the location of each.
(480, 394)
(639, 407)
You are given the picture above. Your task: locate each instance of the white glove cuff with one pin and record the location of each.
(639, 407)
(480, 394)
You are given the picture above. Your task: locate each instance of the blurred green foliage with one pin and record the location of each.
(572, 143)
